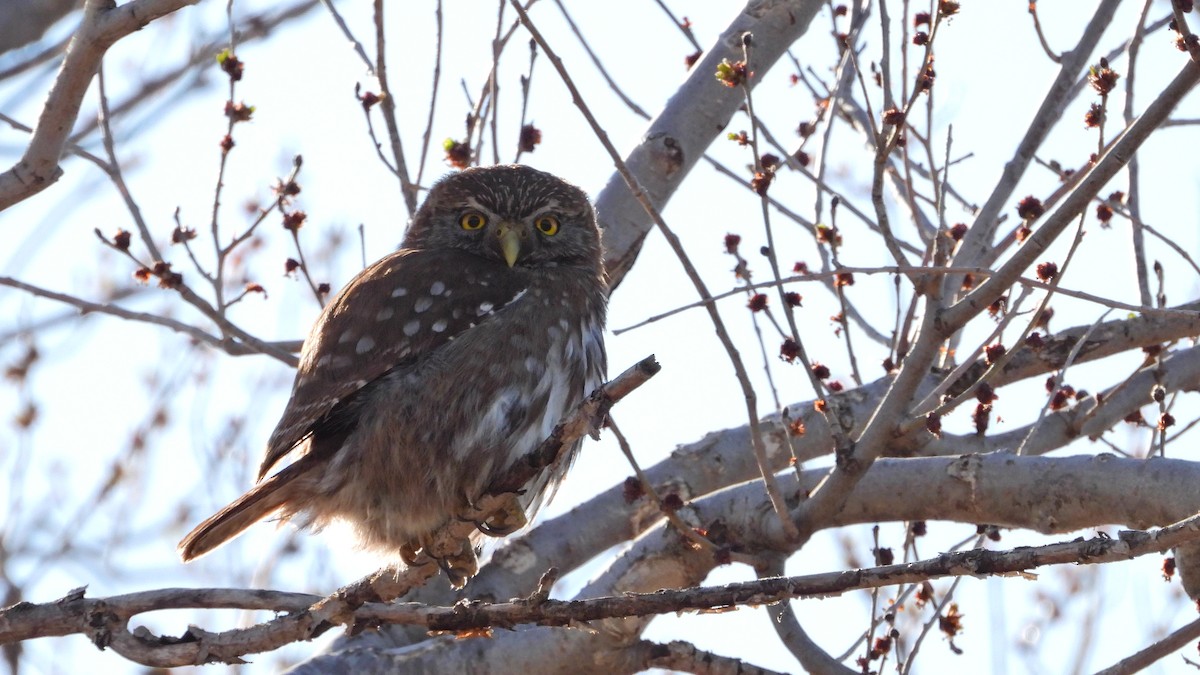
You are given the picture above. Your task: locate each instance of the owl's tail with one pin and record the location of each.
(261, 502)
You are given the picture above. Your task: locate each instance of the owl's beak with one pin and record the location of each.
(510, 241)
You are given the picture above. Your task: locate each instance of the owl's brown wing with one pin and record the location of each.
(394, 312)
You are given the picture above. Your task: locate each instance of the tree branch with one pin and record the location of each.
(104, 23)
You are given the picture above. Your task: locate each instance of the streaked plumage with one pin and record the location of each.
(438, 366)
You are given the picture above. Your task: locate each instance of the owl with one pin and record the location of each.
(438, 367)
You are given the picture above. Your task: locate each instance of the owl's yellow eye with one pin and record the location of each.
(472, 220)
(547, 225)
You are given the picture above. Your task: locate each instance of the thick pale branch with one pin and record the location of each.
(969, 488)
(721, 458)
(694, 116)
(975, 562)
(76, 614)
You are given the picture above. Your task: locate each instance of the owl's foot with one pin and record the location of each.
(461, 566)
(496, 515)
(454, 555)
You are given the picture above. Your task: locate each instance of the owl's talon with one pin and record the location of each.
(455, 580)
(486, 528)
(460, 567)
(408, 553)
(504, 520)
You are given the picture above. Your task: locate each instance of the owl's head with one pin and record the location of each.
(512, 213)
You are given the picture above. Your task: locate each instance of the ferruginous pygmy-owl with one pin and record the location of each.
(439, 366)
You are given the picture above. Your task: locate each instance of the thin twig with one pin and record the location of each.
(612, 84)
(433, 93)
(494, 84)
(789, 311)
(671, 514)
(388, 105)
(230, 347)
(683, 26)
(1135, 663)
(1037, 27)
(1134, 200)
(341, 24)
(1058, 380)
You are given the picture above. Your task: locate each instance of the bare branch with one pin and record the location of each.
(104, 23)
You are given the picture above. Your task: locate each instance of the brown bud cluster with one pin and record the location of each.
(1030, 208)
(369, 99)
(238, 112)
(733, 74)
(1047, 271)
(731, 243)
(993, 352)
(531, 136)
(789, 351)
(288, 189)
(796, 428)
(998, 307)
(741, 137)
(229, 63)
(293, 221)
(927, 77)
(762, 182)
(161, 271)
(458, 154)
(1102, 78)
(828, 235)
(933, 424)
(632, 490)
(182, 234)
